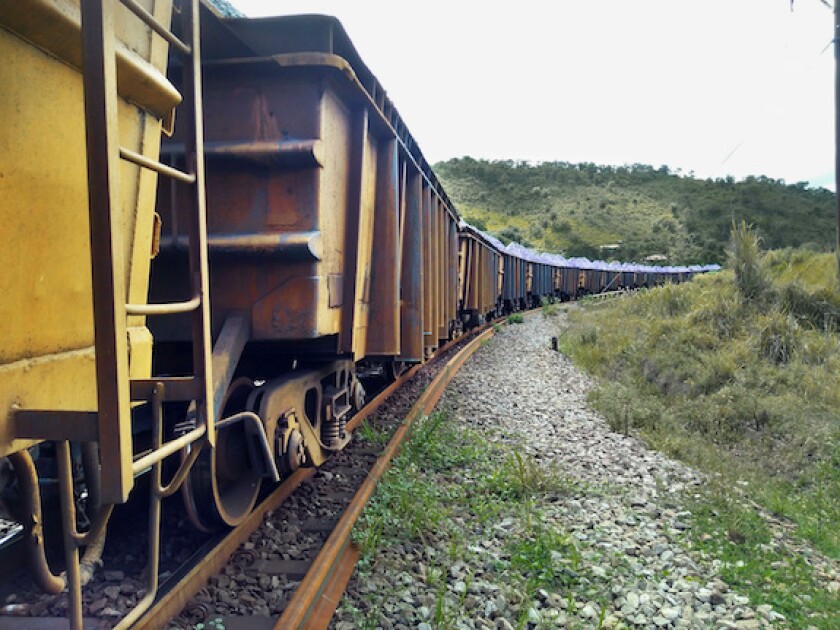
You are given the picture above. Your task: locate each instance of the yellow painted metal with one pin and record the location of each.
(54, 26)
(46, 354)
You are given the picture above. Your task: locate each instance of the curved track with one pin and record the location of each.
(315, 599)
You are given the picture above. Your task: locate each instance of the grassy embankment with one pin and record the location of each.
(738, 373)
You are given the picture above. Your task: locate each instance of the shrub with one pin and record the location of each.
(478, 223)
(820, 309)
(778, 338)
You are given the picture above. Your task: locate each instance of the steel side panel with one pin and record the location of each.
(363, 270)
(383, 334)
(429, 275)
(356, 257)
(287, 299)
(440, 264)
(452, 271)
(47, 347)
(463, 270)
(411, 281)
(466, 272)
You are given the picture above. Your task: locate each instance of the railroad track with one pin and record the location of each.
(183, 599)
(324, 578)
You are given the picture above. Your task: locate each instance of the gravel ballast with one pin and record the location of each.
(621, 515)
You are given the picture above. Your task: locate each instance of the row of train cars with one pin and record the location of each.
(207, 296)
(518, 278)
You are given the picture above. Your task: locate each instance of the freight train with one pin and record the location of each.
(210, 233)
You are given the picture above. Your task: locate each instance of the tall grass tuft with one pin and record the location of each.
(779, 337)
(744, 257)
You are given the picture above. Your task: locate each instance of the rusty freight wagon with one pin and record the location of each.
(330, 241)
(481, 272)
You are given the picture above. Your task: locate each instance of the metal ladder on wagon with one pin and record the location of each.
(116, 391)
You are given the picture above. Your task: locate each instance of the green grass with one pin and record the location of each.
(445, 487)
(373, 436)
(754, 564)
(547, 558)
(516, 318)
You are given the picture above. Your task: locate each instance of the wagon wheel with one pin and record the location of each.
(222, 487)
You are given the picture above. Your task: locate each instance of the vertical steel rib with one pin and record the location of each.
(109, 291)
(197, 221)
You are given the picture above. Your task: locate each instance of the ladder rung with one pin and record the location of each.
(169, 308)
(170, 448)
(152, 165)
(156, 26)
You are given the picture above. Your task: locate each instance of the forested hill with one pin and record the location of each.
(576, 209)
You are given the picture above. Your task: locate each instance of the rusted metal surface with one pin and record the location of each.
(192, 122)
(480, 280)
(327, 603)
(352, 173)
(120, 218)
(33, 524)
(287, 153)
(285, 246)
(301, 611)
(383, 324)
(156, 26)
(412, 273)
(107, 254)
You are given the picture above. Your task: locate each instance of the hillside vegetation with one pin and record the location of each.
(737, 373)
(575, 209)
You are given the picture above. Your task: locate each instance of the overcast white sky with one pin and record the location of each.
(718, 87)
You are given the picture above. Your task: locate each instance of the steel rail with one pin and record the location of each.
(174, 600)
(316, 598)
(171, 603)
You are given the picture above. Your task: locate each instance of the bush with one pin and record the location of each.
(820, 310)
(778, 338)
(478, 223)
(722, 313)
